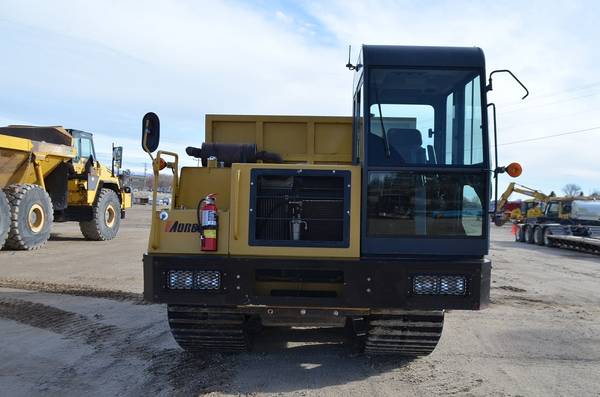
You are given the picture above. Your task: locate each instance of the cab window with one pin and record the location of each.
(552, 210)
(84, 148)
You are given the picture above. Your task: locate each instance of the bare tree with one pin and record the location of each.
(595, 193)
(571, 189)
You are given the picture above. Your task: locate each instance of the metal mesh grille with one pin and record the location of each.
(452, 285)
(180, 279)
(207, 279)
(187, 279)
(425, 285)
(439, 285)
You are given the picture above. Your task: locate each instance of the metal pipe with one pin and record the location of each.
(37, 167)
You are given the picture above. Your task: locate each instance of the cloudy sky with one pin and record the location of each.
(99, 66)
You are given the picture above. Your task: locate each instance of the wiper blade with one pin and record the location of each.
(386, 144)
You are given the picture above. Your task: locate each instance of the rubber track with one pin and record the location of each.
(198, 329)
(408, 334)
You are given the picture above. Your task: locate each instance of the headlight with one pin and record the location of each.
(198, 280)
(425, 285)
(181, 279)
(453, 285)
(439, 285)
(207, 279)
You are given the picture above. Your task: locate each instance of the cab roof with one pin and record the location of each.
(414, 56)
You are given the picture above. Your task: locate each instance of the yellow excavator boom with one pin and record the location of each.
(513, 187)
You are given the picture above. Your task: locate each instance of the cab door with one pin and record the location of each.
(84, 180)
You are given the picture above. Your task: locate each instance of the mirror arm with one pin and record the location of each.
(496, 168)
(145, 147)
(489, 87)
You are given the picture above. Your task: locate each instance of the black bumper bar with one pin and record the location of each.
(366, 282)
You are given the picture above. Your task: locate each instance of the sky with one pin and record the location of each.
(99, 66)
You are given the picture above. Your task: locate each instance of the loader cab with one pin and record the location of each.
(420, 135)
(84, 144)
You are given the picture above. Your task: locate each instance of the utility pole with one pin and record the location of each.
(145, 170)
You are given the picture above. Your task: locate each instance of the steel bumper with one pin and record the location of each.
(366, 282)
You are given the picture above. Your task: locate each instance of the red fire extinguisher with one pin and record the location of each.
(208, 223)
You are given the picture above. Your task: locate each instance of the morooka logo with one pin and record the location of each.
(180, 227)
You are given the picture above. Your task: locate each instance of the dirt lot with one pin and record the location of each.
(540, 336)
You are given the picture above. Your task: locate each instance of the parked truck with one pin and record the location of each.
(376, 222)
(51, 174)
(567, 222)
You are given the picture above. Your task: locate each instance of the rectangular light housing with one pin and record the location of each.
(194, 280)
(439, 285)
(207, 280)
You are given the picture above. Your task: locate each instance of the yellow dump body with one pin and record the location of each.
(314, 142)
(24, 160)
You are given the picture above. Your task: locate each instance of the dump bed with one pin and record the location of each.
(309, 139)
(18, 150)
(56, 135)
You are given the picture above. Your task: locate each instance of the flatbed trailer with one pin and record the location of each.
(567, 223)
(585, 244)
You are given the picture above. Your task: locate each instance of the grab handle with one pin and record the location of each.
(236, 204)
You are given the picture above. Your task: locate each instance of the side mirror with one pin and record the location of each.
(118, 156)
(150, 132)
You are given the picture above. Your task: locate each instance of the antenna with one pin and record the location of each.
(349, 65)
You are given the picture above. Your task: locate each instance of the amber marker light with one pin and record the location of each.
(514, 169)
(163, 164)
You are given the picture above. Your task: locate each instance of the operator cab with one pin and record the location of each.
(84, 143)
(420, 134)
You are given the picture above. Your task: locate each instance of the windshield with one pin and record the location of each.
(425, 117)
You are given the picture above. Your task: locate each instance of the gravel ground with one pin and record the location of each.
(72, 320)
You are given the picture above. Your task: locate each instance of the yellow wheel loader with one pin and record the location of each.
(376, 222)
(50, 174)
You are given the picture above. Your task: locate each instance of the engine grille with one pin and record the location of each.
(299, 208)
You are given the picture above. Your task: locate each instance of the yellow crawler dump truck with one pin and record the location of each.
(376, 222)
(50, 174)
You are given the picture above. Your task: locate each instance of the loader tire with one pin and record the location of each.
(31, 216)
(106, 217)
(500, 221)
(4, 218)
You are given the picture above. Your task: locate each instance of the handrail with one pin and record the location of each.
(236, 204)
(156, 162)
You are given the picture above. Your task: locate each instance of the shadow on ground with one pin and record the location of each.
(296, 360)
